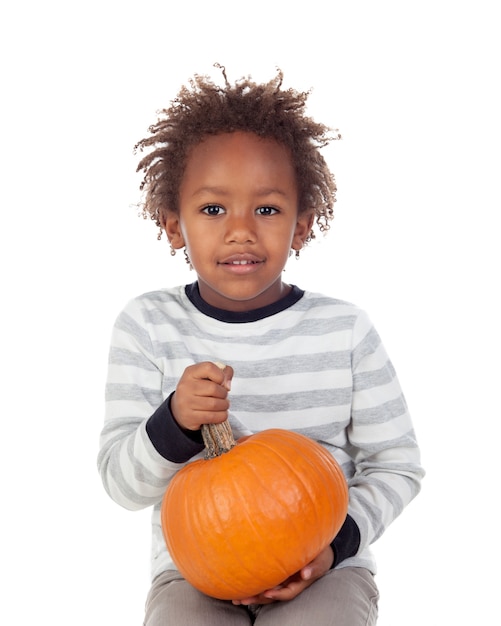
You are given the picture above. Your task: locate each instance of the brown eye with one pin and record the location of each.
(213, 209)
(266, 210)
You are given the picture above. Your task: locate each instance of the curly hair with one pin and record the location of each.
(208, 109)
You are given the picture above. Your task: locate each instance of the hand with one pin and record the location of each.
(201, 396)
(296, 583)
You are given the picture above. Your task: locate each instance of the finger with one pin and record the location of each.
(209, 389)
(258, 598)
(210, 413)
(228, 376)
(246, 601)
(209, 418)
(192, 404)
(207, 370)
(287, 592)
(227, 372)
(261, 599)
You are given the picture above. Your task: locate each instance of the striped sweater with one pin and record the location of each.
(308, 363)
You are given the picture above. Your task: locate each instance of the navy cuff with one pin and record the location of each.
(170, 440)
(346, 542)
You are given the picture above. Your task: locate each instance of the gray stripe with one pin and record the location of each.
(122, 483)
(390, 494)
(299, 401)
(367, 345)
(120, 356)
(405, 441)
(113, 468)
(316, 300)
(293, 364)
(172, 350)
(141, 473)
(348, 468)
(303, 329)
(372, 513)
(131, 327)
(134, 393)
(381, 413)
(374, 378)
(323, 432)
(120, 425)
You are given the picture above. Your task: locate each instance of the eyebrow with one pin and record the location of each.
(263, 191)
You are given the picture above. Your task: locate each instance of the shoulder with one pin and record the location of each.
(336, 313)
(152, 308)
(160, 299)
(328, 305)
(316, 299)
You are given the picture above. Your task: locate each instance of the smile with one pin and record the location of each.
(241, 259)
(241, 264)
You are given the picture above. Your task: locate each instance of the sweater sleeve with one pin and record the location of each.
(346, 542)
(141, 445)
(381, 443)
(169, 439)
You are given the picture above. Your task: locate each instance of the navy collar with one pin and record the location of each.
(241, 317)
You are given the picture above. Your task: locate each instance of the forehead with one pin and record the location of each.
(239, 156)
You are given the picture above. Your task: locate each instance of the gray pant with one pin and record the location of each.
(343, 597)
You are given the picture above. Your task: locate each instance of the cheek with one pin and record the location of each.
(189, 234)
(192, 238)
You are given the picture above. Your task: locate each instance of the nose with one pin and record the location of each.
(240, 228)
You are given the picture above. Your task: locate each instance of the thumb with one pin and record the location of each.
(228, 374)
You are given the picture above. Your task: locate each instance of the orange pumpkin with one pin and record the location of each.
(244, 521)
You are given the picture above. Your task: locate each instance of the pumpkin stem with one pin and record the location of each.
(218, 439)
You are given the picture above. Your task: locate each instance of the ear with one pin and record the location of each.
(303, 228)
(173, 231)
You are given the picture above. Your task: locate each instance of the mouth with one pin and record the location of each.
(241, 259)
(241, 263)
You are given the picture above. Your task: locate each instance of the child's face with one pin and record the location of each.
(238, 218)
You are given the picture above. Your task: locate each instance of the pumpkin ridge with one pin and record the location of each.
(187, 527)
(243, 570)
(299, 476)
(245, 521)
(216, 515)
(325, 499)
(289, 440)
(286, 462)
(204, 567)
(258, 530)
(273, 452)
(235, 555)
(341, 480)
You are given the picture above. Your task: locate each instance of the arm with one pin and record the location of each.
(384, 471)
(380, 440)
(150, 431)
(141, 445)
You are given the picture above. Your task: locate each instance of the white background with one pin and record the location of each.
(414, 89)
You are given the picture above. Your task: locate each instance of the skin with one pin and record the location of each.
(238, 203)
(238, 219)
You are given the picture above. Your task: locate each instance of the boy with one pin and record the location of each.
(236, 179)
